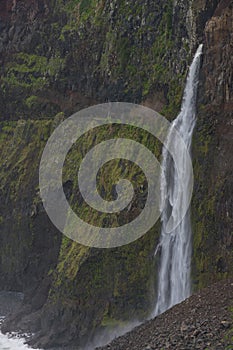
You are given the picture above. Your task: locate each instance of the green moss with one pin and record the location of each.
(71, 258)
(174, 97)
(32, 101)
(19, 162)
(31, 71)
(82, 10)
(26, 71)
(23, 140)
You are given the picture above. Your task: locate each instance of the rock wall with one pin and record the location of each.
(59, 57)
(212, 202)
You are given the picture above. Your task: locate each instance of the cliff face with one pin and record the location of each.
(212, 202)
(58, 57)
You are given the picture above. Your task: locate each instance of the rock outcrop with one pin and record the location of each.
(59, 57)
(213, 163)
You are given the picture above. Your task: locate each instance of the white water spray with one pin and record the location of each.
(175, 261)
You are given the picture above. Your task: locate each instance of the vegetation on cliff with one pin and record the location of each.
(60, 57)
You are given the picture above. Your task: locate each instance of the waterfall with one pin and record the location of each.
(176, 247)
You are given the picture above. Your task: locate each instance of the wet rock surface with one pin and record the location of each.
(9, 301)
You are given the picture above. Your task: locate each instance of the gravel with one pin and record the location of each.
(203, 321)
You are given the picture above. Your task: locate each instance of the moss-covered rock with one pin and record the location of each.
(75, 54)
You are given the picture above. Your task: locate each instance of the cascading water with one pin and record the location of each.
(174, 270)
